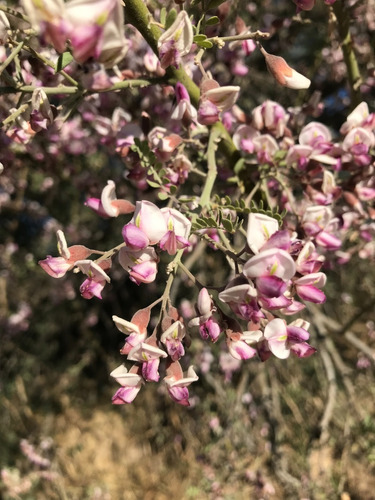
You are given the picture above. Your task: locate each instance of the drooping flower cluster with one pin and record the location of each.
(147, 352)
(280, 269)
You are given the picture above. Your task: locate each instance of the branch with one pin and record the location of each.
(137, 14)
(346, 42)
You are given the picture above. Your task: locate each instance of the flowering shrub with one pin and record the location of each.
(279, 194)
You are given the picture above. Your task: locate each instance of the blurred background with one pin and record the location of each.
(285, 429)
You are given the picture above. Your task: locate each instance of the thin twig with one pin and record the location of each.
(331, 397)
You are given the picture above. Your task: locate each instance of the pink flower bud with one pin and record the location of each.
(283, 73)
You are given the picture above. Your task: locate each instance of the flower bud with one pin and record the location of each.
(283, 73)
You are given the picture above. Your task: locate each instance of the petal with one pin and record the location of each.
(270, 263)
(311, 294)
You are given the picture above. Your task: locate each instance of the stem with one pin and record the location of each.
(63, 89)
(51, 64)
(129, 84)
(256, 35)
(11, 56)
(14, 13)
(172, 274)
(11, 118)
(28, 89)
(110, 253)
(190, 275)
(346, 42)
(211, 165)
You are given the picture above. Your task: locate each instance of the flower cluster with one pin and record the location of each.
(147, 351)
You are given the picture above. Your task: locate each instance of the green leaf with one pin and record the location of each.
(212, 222)
(163, 195)
(63, 61)
(212, 21)
(201, 222)
(199, 38)
(205, 44)
(153, 184)
(172, 14)
(163, 16)
(195, 2)
(227, 224)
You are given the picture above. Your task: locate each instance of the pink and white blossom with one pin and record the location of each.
(177, 383)
(131, 382)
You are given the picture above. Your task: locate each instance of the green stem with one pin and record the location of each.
(63, 89)
(172, 267)
(346, 42)
(211, 165)
(29, 89)
(51, 64)
(256, 35)
(14, 13)
(11, 118)
(110, 253)
(11, 56)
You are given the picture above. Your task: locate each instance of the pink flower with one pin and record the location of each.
(58, 266)
(97, 277)
(282, 339)
(208, 113)
(150, 220)
(178, 232)
(308, 287)
(184, 110)
(177, 382)
(266, 147)
(209, 327)
(108, 205)
(172, 339)
(163, 143)
(141, 265)
(131, 382)
(136, 329)
(276, 335)
(149, 355)
(241, 296)
(220, 98)
(49, 18)
(319, 223)
(238, 343)
(316, 135)
(176, 41)
(304, 4)
(308, 260)
(260, 228)
(357, 118)
(270, 116)
(97, 30)
(272, 262)
(243, 138)
(358, 143)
